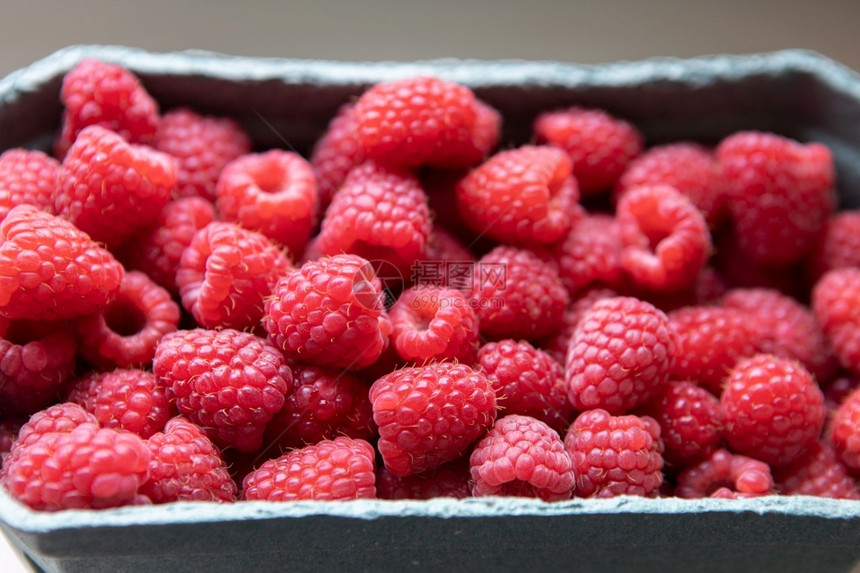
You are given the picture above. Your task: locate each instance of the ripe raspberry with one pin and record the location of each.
(556, 345)
(228, 382)
(817, 473)
(590, 254)
(27, 178)
(330, 470)
(517, 295)
(62, 417)
(485, 137)
(523, 457)
(329, 312)
(110, 189)
(49, 270)
(835, 300)
(600, 146)
(742, 271)
(99, 93)
(844, 431)
(620, 355)
(274, 193)
(336, 153)
(448, 480)
(522, 196)
(201, 146)
(615, 455)
(227, 273)
(838, 245)
(430, 415)
(773, 408)
(131, 400)
(527, 381)
(770, 180)
(725, 475)
(186, 466)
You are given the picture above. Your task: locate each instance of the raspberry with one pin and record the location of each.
(447, 263)
(742, 271)
(620, 355)
(773, 408)
(434, 323)
(556, 345)
(330, 470)
(522, 196)
(99, 93)
(615, 455)
(780, 193)
(49, 270)
(8, 435)
(527, 381)
(485, 136)
(665, 238)
(274, 193)
(448, 480)
(590, 254)
(838, 245)
(835, 300)
(125, 332)
(725, 475)
(430, 415)
(131, 400)
(336, 153)
(87, 467)
(844, 431)
(440, 185)
(227, 273)
(838, 390)
(228, 382)
(521, 456)
(599, 146)
(517, 295)
(818, 473)
(186, 466)
(27, 178)
(329, 312)
(202, 146)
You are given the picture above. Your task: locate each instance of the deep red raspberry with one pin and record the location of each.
(600, 146)
(836, 304)
(329, 312)
(126, 399)
(228, 382)
(27, 178)
(430, 415)
(517, 295)
(818, 473)
(590, 254)
(844, 431)
(186, 466)
(8, 435)
(615, 455)
(838, 389)
(838, 245)
(447, 262)
(330, 470)
(448, 480)
(227, 273)
(725, 475)
(274, 193)
(99, 93)
(620, 356)
(110, 189)
(522, 196)
(742, 271)
(769, 180)
(336, 153)
(774, 409)
(50, 270)
(201, 146)
(521, 456)
(556, 345)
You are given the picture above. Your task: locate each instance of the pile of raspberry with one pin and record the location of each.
(419, 307)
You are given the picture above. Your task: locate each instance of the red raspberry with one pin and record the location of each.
(27, 178)
(126, 331)
(429, 415)
(742, 271)
(99, 93)
(522, 196)
(836, 304)
(523, 457)
(186, 466)
(615, 455)
(818, 473)
(227, 273)
(125, 399)
(600, 146)
(448, 480)
(336, 153)
(838, 245)
(485, 136)
(844, 431)
(274, 193)
(431, 322)
(620, 355)
(447, 262)
(228, 382)
(769, 180)
(517, 295)
(322, 404)
(330, 470)
(591, 254)
(725, 475)
(527, 381)
(49, 270)
(774, 410)
(556, 345)
(202, 146)
(329, 312)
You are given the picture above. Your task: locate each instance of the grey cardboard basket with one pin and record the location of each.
(287, 103)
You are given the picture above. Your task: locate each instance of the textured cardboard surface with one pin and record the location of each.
(287, 103)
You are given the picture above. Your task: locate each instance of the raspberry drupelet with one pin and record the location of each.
(836, 304)
(448, 480)
(844, 431)
(590, 255)
(725, 475)
(27, 178)
(818, 473)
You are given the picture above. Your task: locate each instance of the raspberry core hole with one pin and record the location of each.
(124, 318)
